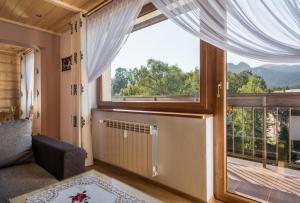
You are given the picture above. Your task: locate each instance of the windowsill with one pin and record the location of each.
(159, 113)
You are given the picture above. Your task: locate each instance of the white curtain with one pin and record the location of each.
(267, 30)
(29, 81)
(107, 31)
(80, 104)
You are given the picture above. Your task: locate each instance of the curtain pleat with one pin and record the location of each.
(81, 109)
(27, 82)
(266, 30)
(107, 31)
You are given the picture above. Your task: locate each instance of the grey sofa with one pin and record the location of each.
(28, 163)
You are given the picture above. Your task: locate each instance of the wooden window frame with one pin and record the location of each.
(206, 105)
(220, 154)
(207, 91)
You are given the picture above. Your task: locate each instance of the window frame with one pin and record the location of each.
(208, 56)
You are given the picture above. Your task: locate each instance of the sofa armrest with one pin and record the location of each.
(60, 159)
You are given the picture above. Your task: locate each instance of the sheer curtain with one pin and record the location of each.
(29, 81)
(107, 31)
(267, 30)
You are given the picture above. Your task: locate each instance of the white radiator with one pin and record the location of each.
(132, 146)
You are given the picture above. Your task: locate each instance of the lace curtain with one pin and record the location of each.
(28, 75)
(267, 30)
(107, 31)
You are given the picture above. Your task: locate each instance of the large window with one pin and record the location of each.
(159, 65)
(158, 62)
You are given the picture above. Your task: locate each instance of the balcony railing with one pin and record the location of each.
(264, 128)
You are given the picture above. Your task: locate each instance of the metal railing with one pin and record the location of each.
(259, 128)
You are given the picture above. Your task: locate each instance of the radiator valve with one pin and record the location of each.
(154, 171)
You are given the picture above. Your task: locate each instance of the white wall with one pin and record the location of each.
(50, 83)
(185, 150)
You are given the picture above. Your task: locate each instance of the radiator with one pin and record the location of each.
(132, 146)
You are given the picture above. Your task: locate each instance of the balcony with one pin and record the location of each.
(263, 146)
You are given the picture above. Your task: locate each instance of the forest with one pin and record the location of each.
(158, 78)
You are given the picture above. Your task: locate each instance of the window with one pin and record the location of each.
(158, 65)
(158, 62)
(262, 137)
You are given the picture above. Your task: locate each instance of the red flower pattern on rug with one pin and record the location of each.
(80, 197)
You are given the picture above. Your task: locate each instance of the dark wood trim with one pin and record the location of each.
(149, 22)
(124, 172)
(97, 7)
(148, 8)
(207, 91)
(99, 90)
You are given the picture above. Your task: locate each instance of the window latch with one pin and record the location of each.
(219, 88)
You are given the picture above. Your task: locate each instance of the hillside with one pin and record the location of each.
(274, 75)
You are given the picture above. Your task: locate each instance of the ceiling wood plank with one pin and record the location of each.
(8, 7)
(66, 6)
(53, 17)
(90, 5)
(62, 25)
(77, 3)
(47, 13)
(24, 9)
(2, 3)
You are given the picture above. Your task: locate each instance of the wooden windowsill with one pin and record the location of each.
(159, 113)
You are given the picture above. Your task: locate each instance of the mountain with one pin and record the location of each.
(274, 75)
(238, 67)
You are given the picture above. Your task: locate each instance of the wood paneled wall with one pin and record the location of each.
(9, 86)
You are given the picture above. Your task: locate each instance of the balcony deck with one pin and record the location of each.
(272, 184)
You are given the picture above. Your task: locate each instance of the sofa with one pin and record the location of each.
(31, 162)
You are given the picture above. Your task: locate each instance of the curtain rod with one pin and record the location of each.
(98, 7)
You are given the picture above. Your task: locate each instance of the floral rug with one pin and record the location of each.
(90, 187)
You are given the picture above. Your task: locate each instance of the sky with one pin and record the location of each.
(169, 43)
(164, 41)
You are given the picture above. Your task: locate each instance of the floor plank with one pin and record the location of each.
(272, 184)
(140, 183)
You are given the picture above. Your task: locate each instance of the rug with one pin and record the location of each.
(90, 187)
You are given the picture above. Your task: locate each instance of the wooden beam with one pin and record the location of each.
(66, 6)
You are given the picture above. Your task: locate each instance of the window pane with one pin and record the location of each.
(263, 133)
(157, 63)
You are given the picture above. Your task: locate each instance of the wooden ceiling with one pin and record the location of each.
(49, 15)
(12, 49)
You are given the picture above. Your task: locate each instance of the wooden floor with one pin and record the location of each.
(141, 184)
(273, 184)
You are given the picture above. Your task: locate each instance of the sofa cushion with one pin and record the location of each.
(16, 142)
(21, 179)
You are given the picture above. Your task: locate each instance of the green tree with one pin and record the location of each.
(237, 80)
(255, 84)
(120, 81)
(156, 79)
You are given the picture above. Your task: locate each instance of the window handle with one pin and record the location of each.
(219, 88)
